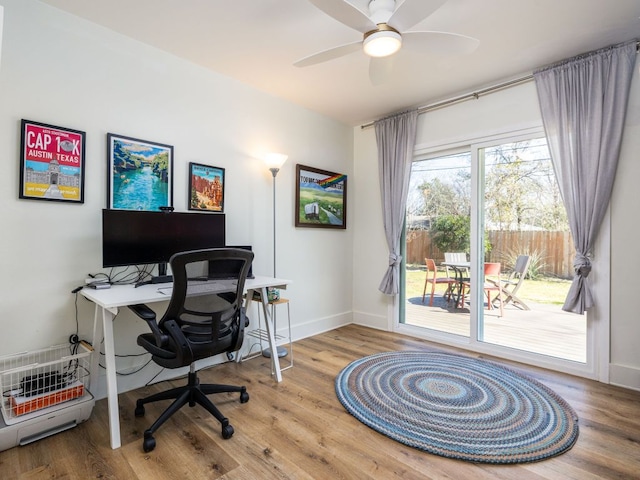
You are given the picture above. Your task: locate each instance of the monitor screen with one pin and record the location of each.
(220, 270)
(133, 237)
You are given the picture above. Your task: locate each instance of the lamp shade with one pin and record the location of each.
(275, 160)
(382, 43)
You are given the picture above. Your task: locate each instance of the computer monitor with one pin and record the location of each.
(222, 269)
(133, 237)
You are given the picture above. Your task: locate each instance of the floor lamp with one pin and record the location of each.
(274, 162)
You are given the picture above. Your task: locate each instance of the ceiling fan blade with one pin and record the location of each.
(412, 12)
(441, 43)
(330, 54)
(346, 13)
(380, 69)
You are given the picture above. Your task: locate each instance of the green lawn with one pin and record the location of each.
(543, 290)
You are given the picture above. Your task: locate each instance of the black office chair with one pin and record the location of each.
(205, 317)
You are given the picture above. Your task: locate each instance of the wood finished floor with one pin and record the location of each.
(299, 430)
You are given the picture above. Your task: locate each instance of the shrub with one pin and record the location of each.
(452, 233)
(536, 265)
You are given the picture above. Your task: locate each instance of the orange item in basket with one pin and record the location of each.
(22, 405)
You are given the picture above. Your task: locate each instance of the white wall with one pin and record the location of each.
(513, 109)
(62, 70)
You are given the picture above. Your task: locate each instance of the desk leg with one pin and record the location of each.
(112, 384)
(268, 321)
(95, 356)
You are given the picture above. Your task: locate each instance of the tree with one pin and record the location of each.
(521, 190)
(439, 198)
(451, 233)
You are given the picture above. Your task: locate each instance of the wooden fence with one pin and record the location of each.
(554, 249)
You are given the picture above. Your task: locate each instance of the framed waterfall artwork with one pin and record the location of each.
(51, 163)
(321, 198)
(140, 174)
(206, 188)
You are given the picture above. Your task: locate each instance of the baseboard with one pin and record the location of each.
(318, 325)
(379, 322)
(624, 376)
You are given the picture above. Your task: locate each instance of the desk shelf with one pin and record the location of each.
(263, 336)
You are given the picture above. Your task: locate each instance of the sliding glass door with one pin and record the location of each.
(524, 231)
(438, 222)
(496, 206)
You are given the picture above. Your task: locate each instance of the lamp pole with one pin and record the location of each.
(274, 161)
(274, 171)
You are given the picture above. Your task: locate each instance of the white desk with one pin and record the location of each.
(108, 301)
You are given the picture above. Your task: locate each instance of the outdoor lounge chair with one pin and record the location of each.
(512, 284)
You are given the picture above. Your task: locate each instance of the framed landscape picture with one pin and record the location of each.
(206, 188)
(321, 198)
(51, 163)
(140, 174)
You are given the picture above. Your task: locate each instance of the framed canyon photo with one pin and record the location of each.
(206, 188)
(321, 198)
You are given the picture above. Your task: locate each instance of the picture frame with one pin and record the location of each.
(321, 198)
(206, 188)
(139, 173)
(52, 161)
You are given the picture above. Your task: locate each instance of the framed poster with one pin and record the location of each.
(206, 188)
(51, 163)
(321, 198)
(140, 174)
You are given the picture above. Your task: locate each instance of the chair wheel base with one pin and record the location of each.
(244, 397)
(227, 432)
(149, 443)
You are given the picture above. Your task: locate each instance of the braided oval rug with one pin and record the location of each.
(457, 407)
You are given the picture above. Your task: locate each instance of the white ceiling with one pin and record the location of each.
(257, 42)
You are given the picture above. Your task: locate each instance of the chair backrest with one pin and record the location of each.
(522, 265)
(431, 268)
(205, 314)
(453, 257)
(520, 270)
(492, 269)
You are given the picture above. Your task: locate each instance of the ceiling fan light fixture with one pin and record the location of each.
(382, 43)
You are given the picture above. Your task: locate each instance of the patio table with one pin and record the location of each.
(460, 268)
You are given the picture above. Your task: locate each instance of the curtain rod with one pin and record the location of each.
(475, 95)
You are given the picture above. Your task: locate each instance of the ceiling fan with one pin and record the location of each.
(384, 31)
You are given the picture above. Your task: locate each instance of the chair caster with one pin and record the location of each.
(139, 411)
(244, 397)
(149, 443)
(227, 432)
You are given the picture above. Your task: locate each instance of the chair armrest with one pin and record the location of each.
(149, 316)
(143, 311)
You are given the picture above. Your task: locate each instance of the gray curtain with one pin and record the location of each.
(583, 103)
(396, 138)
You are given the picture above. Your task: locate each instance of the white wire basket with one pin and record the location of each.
(34, 383)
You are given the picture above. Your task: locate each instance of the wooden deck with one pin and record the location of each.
(545, 329)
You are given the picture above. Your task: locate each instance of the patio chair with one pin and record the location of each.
(512, 284)
(492, 282)
(433, 279)
(454, 257)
